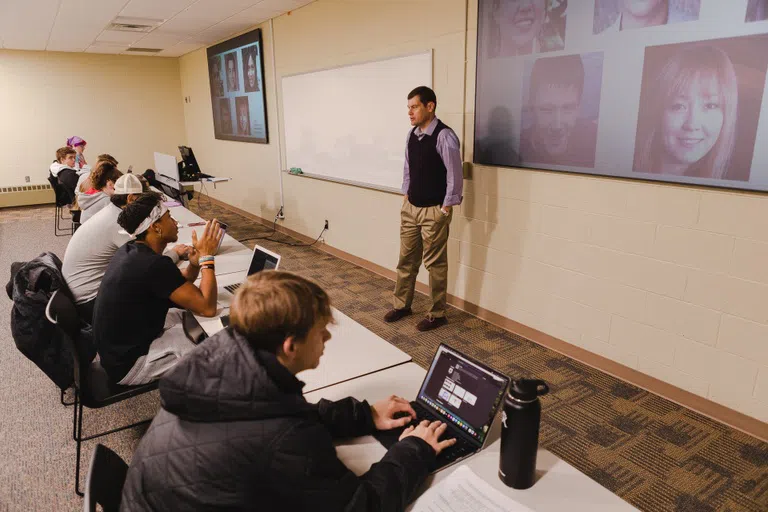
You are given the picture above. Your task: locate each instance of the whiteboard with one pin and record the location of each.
(350, 123)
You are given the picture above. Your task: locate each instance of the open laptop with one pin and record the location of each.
(165, 165)
(262, 259)
(461, 392)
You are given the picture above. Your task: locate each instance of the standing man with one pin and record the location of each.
(432, 185)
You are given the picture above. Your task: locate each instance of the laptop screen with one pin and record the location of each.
(263, 259)
(463, 392)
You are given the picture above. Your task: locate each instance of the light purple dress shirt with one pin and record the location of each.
(448, 149)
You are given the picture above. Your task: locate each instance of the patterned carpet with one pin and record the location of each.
(651, 452)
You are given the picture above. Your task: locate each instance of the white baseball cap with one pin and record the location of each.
(128, 184)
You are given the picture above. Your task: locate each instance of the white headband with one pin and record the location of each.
(154, 216)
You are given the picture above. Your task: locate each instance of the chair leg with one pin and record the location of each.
(58, 230)
(78, 436)
(79, 443)
(74, 417)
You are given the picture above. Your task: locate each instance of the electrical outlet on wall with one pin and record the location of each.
(26, 179)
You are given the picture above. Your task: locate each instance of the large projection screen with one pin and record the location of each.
(665, 90)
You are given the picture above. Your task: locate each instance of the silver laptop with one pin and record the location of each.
(464, 394)
(262, 259)
(165, 165)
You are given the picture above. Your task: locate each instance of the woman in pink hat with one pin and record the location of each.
(78, 145)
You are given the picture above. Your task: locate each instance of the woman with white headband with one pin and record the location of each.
(137, 338)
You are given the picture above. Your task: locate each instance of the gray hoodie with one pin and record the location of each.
(90, 204)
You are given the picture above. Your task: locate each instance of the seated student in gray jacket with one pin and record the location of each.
(102, 185)
(235, 432)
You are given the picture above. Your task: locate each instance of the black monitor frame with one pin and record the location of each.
(254, 36)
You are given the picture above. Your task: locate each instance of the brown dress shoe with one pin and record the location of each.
(393, 315)
(431, 323)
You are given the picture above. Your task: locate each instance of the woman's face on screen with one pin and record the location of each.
(251, 72)
(243, 117)
(231, 74)
(522, 19)
(692, 121)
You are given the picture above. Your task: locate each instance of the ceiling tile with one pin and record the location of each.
(105, 48)
(258, 14)
(26, 25)
(180, 49)
(155, 9)
(282, 5)
(155, 40)
(222, 30)
(184, 24)
(218, 10)
(118, 36)
(82, 20)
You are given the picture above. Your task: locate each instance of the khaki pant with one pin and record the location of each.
(423, 236)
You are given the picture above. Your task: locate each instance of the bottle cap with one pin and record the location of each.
(527, 390)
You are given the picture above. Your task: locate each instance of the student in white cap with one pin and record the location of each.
(137, 337)
(93, 245)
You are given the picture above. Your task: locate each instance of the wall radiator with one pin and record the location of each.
(25, 195)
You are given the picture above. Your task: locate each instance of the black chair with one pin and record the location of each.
(93, 388)
(63, 200)
(75, 219)
(104, 483)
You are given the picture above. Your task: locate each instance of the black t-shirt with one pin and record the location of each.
(131, 305)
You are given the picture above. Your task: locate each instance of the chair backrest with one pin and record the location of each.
(61, 312)
(104, 483)
(62, 198)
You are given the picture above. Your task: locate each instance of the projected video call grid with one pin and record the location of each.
(237, 94)
(669, 90)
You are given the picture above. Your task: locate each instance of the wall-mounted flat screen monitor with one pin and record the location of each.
(236, 74)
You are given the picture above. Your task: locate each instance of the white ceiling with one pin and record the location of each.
(81, 25)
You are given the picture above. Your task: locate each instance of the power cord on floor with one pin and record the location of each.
(203, 190)
(274, 231)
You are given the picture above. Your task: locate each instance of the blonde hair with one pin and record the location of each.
(675, 78)
(273, 305)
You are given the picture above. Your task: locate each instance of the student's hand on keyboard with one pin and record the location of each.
(392, 412)
(430, 432)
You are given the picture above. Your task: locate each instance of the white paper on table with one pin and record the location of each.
(464, 491)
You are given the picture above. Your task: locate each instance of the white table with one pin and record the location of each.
(559, 487)
(233, 257)
(352, 351)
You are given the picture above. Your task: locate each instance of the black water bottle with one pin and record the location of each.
(520, 433)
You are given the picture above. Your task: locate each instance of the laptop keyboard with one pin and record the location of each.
(231, 288)
(446, 457)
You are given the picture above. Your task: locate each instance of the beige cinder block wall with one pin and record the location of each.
(127, 106)
(668, 280)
